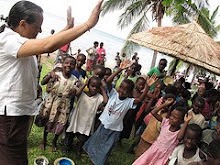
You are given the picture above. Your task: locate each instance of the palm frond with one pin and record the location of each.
(112, 5)
(181, 16)
(130, 14)
(129, 48)
(207, 24)
(214, 13)
(141, 25)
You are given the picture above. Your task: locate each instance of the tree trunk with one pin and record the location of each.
(187, 70)
(194, 74)
(153, 63)
(174, 67)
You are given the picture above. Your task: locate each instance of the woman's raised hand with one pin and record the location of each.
(54, 76)
(69, 19)
(94, 17)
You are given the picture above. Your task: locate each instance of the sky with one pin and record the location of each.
(81, 10)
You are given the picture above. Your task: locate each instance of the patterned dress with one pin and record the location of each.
(57, 104)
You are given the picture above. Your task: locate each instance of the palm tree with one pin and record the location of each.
(135, 12)
(204, 18)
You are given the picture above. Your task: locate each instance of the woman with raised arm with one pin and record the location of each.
(18, 69)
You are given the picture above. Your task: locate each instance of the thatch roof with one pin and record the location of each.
(188, 42)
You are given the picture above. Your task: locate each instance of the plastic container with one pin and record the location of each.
(63, 161)
(41, 160)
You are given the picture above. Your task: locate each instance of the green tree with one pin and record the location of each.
(205, 19)
(135, 12)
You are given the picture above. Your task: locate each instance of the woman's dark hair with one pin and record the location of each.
(23, 10)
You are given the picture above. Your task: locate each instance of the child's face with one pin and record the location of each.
(123, 90)
(178, 85)
(118, 62)
(140, 84)
(94, 87)
(197, 107)
(99, 73)
(80, 61)
(131, 69)
(96, 45)
(162, 65)
(176, 118)
(201, 91)
(68, 65)
(190, 139)
(107, 74)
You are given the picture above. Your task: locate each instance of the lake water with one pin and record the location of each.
(112, 44)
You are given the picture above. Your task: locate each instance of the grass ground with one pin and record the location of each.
(118, 157)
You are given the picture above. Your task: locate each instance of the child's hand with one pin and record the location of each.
(54, 76)
(150, 81)
(188, 116)
(169, 101)
(104, 84)
(125, 64)
(72, 92)
(156, 93)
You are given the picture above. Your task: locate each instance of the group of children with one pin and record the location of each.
(102, 109)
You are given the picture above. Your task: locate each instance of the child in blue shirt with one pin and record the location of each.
(100, 144)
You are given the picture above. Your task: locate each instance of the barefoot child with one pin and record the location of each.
(99, 145)
(169, 136)
(83, 118)
(55, 108)
(188, 151)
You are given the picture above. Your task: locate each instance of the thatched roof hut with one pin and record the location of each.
(188, 42)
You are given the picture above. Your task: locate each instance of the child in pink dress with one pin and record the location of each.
(161, 149)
